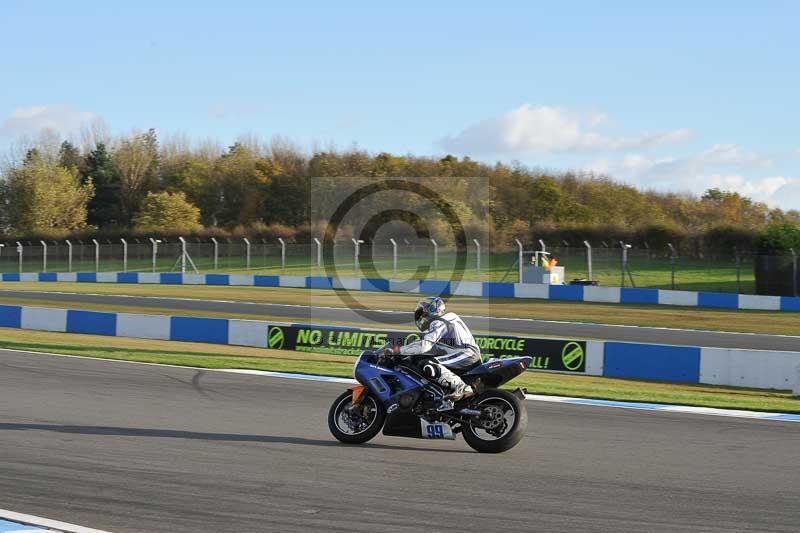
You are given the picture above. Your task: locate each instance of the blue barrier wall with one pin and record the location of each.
(213, 330)
(91, 322)
(676, 364)
(10, 316)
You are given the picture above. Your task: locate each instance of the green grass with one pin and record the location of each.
(646, 270)
(216, 357)
(769, 322)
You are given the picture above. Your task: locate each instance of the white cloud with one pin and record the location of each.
(62, 118)
(723, 166)
(762, 189)
(788, 195)
(535, 130)
(731, 154)
(598, 166)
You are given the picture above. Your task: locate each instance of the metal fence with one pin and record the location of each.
(607, 265)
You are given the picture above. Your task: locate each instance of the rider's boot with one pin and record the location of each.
(459, 390)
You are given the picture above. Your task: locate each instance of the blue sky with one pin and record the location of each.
(674, 97)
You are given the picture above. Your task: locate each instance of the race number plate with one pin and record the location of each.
(437, 430)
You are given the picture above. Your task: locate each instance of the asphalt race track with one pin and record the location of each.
(395, 319)
(144, 448)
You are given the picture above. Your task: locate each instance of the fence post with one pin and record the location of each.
(69, 256)
(672, 256)
(738, 270)
(794, 284)
(624, 260)
(519, 257)
(319, 255)
(394, 258)
(435, 258)
(283, 255)
(96, 255)
(588, 258)
(19, 251)
(356, 251)
(183, 254)
(216, 252)
(124, 255)
(247, 253)
(155, 251)
(44, 256)
(478, 263)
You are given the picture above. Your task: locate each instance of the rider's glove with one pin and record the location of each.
(389, 355)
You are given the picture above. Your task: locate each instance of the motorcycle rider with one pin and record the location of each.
(446, 346)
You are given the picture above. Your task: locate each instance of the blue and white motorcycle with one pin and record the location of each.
(392, 396)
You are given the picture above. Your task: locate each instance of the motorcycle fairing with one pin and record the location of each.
(402, 424)
(495, 372)
(386, 384)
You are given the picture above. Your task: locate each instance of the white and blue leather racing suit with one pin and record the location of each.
(446, 349)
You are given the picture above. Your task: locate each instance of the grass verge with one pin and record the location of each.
(769, 322)
(215, 356)
(647, 270)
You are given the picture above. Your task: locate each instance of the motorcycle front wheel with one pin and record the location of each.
(502, 423)
(356, 424)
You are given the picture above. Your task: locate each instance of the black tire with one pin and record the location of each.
(510, 438)
(356, 438)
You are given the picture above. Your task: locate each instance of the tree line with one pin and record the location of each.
(138, 184)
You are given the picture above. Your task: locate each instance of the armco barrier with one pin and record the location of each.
(569, 293)
(680, 364)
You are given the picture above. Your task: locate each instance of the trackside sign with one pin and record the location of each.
(546, 354)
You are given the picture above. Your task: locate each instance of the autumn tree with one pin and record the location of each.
(136, 158)
(166, 211)
(242, 180)
(41, 197)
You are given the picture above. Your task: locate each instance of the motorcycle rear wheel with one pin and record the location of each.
(507, 417)
(373, 421)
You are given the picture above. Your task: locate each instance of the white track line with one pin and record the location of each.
(38, 521)
(614, 404)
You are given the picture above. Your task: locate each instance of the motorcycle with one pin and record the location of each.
(394, 397)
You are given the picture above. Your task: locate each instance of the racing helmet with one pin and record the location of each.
(427, 310)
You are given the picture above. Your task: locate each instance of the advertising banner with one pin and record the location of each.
(547, 354)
